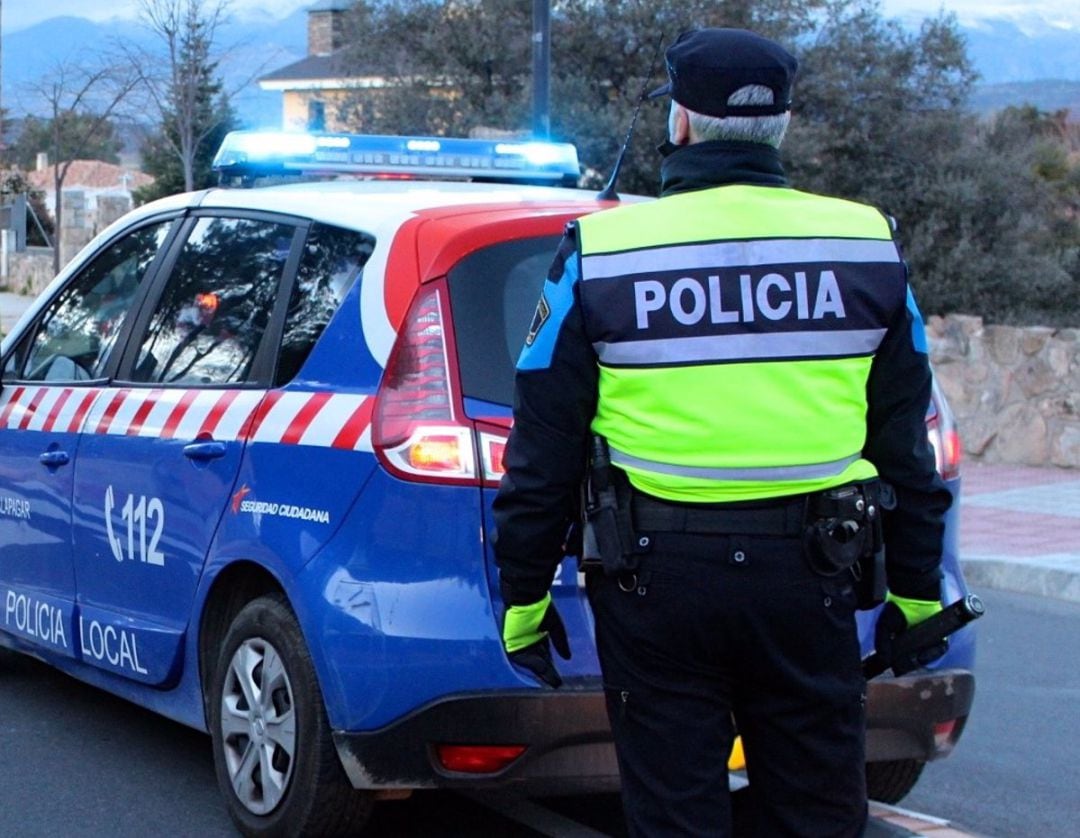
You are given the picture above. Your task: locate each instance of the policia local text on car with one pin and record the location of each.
(751, 361)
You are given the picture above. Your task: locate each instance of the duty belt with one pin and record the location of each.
(783, 519)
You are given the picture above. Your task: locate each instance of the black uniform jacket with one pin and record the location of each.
(553, 407)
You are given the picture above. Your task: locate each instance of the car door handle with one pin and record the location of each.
(209, 450)
(55, 458)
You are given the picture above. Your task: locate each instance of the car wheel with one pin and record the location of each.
(891, 780)
(275, 760)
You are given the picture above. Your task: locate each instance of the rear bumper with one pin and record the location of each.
(569, 745)
(903, 714)
(566, 732)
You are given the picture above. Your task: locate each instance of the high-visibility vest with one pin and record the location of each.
(735, 329)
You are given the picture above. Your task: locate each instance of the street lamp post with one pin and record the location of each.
(541, 69)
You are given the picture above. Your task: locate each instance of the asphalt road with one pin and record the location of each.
(1016, 772)
(79, 762)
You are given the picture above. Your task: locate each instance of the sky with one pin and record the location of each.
(18, 14)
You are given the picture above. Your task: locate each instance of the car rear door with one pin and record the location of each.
(493, 295)
(162, 445)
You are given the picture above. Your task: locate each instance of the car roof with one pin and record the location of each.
(353, 204)
(379, 207)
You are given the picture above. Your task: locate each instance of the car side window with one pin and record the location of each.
(209, 322)
(331, 259)
(76, 333)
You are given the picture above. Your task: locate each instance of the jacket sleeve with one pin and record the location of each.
(554, 404)
(898, 394)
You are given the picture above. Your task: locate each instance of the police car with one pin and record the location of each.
(248, 443)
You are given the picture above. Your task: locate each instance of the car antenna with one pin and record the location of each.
(608, 193)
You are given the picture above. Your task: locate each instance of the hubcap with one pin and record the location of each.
(258, 725)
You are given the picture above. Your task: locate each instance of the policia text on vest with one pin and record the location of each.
(772, 296)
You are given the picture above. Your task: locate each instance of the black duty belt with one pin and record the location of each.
(783, 519)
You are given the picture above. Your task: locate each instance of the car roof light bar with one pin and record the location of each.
(252, 154)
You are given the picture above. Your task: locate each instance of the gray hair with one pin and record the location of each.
(768, 129)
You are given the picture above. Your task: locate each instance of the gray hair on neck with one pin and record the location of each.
(769, 129)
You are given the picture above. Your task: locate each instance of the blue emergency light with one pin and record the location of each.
(248, 155)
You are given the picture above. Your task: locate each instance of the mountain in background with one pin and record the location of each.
(1006, 51)
(1021, 60)
(250, 47)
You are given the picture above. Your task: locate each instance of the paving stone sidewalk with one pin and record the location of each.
(1020, 529)
(11, 308)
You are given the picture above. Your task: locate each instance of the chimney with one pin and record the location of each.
(41, 163)
(326, 26)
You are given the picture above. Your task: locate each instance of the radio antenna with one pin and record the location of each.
(608, 193)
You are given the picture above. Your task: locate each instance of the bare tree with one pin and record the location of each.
(182, 91)
(81, 101)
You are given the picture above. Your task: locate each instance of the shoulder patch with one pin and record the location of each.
(540, 317)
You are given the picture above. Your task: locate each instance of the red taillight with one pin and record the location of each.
(944, 437)
(946, 734)
(419, 428)
(416, 385)
(945, 441)
(492, 450)
(478, 759)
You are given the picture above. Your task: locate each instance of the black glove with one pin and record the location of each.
(892, 622)
(534, 626)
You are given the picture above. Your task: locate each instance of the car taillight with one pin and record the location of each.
(477, 759)
(492, 450)
(419, 429)
(944, 437)
(947, 733)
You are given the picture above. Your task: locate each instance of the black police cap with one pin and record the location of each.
(707, 65)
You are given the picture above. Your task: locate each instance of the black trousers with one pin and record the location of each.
(713, 628)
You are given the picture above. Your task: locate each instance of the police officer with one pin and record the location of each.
(752, 361)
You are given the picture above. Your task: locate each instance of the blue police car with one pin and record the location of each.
(248, 443)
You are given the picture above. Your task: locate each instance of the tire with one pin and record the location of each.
(891, 780)
(274, 757)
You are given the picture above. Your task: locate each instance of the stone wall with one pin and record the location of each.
(28, 272)
(84, 217)
(1015, 391)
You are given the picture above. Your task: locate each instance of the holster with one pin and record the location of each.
(844, 533)
(607, 529)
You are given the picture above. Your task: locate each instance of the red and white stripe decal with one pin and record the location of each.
(322, 419)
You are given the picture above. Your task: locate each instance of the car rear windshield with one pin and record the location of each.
(493, 294)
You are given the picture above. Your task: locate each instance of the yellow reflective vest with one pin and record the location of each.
(735, 329)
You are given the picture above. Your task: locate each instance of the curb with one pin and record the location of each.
(1050, 576)
(908, 823)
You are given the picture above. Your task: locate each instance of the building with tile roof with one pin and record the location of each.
(313, 87)
(94, 178)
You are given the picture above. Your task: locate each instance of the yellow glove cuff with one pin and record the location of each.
(915, 611)
(522, 623)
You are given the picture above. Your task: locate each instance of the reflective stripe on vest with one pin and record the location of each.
(808, 472)
(737, 347)
(744, 254)
(735, 329)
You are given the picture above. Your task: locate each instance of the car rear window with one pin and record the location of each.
(493, 294)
